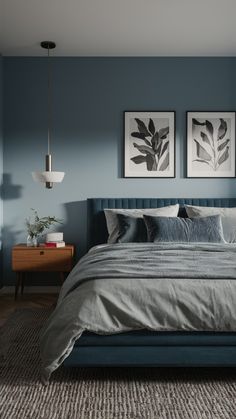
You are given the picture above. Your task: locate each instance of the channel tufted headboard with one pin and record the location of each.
(97, 230)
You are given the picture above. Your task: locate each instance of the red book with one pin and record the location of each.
(55, 244)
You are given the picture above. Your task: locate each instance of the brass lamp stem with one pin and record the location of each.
(48, 176)
(48, 161)
(49, 45)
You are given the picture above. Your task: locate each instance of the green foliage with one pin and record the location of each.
(37, 227)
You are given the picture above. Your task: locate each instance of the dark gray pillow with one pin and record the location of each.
(131, 229)
(176, 229)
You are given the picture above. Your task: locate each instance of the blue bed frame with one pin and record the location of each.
(145, 348)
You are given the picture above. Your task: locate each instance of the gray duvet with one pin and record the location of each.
(123, 287)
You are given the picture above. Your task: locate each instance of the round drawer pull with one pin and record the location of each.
(41, 252)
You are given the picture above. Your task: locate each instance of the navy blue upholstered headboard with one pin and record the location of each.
(97, 230)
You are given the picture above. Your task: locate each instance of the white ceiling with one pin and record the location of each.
(119, 27)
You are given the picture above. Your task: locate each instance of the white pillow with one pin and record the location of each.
(228, 217)
(112, 222)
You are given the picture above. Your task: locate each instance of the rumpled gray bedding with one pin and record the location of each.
(162, 287)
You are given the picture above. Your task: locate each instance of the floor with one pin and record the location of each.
(8, 303)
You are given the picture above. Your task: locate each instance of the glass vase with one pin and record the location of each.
(32, 241)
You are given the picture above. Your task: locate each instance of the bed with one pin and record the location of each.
(147, 347)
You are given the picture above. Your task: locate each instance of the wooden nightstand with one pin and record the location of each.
(40, 259)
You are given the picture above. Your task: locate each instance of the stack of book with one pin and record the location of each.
(54, 239)
(59, 243)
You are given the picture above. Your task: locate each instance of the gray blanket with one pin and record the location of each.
(123, 287)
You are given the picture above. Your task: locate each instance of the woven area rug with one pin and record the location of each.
(115, 393)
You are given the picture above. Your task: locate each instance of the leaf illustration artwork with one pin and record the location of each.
(205, 138)
(141, 136)
(166, 161)
(151, 163)
(139, 159)
(163, 133)
(142, 127)
(196, 122)
(223, 145)
(144, 149)
(201, 152)
(224, 156)
(151, 126)
(164, 148)
(155, 141)
(155, 152)
(209, 128)
(222, 129)
(212, 145)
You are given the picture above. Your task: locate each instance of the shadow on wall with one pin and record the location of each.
(9, 238)
(8, 190)
(75, 227)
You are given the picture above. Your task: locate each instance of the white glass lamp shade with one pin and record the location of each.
(48, 176)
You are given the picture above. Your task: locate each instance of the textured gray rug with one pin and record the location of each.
(103, 393)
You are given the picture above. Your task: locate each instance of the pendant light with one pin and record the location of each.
(48, 176)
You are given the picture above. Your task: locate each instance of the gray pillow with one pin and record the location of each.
(228, 218)
(176, 229)
(112, 220)
(131, 229)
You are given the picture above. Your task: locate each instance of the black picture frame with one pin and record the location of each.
(168, 141)
(206, 143)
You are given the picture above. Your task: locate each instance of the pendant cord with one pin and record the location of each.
(49, 103)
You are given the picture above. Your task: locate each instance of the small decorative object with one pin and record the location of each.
(149, 144)
(48, 176)
(211, 144)
(32, 241)
(37, 227)
(54, 237)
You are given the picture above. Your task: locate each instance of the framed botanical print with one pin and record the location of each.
(211, 144)
(149, 144)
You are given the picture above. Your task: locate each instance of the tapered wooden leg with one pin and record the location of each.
(18, 280)
(22, 282)
(62, 277)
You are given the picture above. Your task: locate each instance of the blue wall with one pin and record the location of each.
(1, 169)
(90, 95)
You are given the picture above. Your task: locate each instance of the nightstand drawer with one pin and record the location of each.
(42, 260)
